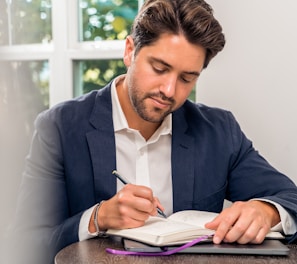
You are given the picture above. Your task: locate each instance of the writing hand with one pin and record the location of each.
(129, 208)
(244, 222)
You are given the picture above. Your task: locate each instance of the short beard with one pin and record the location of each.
(139, 107)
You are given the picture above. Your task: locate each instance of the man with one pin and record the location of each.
(178, 155)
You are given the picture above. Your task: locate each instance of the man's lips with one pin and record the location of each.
(160, 103)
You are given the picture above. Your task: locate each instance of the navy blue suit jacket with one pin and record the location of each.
(73, 154)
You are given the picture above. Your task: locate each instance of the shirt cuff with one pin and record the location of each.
(83, 232)
(287, 224)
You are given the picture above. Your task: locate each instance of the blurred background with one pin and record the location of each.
(52, 50)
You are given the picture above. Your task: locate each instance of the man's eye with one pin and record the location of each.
(188, 79)
(158, 70)
(185, 80)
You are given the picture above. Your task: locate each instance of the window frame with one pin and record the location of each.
(64, 50)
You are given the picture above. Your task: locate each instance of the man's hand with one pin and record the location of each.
(129, 208)
(244, 222)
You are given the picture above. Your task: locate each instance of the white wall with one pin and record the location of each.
(256, 75)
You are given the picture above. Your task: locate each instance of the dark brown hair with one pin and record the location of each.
(192, 18)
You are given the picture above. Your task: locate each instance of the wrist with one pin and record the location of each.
(272, 212)
(94, 227)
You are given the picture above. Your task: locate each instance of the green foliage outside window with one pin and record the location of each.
(107, 19)
(104, 20)
(96, 74)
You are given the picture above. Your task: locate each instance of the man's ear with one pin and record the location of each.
(129, 51)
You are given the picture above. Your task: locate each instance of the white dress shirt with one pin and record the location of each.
(141, 162)
(148, 163)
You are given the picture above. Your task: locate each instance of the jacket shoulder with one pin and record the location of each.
(195, 112)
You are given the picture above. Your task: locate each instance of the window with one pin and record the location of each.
(25, 49)
(74, 42)
(25, 33)
(101, 21)
(25, 22)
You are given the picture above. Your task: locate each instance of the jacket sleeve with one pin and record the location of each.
(251, 176)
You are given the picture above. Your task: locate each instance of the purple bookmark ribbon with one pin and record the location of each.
(153, 254)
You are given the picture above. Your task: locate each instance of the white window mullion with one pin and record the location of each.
(26, 52)
(60, 66)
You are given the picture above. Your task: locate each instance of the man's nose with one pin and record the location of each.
(168, 87)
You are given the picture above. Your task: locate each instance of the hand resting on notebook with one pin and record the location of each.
(244, 222)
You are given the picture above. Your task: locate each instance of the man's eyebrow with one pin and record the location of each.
(153, 59)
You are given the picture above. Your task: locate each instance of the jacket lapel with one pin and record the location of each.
(182, 161)
(101, 143)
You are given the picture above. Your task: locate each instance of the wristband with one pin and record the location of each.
(98, 232)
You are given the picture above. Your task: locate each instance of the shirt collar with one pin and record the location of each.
(120, 121)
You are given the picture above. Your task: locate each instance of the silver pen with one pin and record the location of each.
(124, 181)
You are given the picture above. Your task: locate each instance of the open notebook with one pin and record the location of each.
(179, 228)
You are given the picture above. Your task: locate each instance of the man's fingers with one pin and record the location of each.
(139, 198)
(243, 222)
(223, 223)
(158, 204)
(223, 229)
(242, 232)
(135, 203)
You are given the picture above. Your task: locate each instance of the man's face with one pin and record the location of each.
(161, 76)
